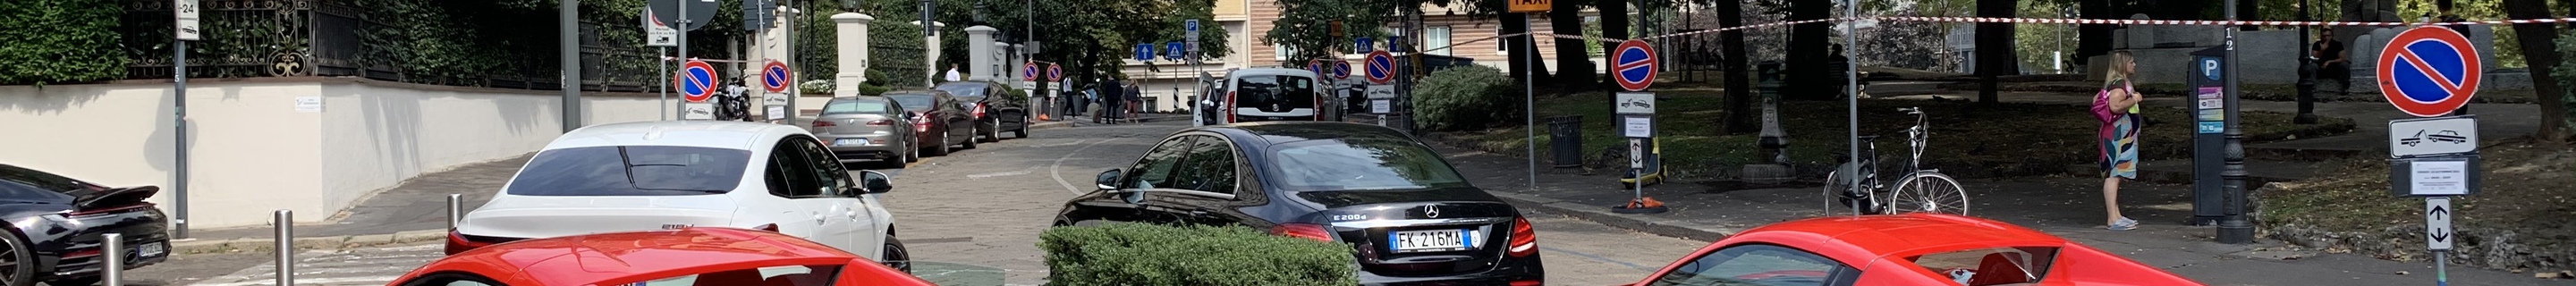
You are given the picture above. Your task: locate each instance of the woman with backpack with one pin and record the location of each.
(2117, 107)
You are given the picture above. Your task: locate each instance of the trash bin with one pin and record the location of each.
(1565, 139)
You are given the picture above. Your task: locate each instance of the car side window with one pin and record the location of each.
(1155, 171)
(1208, 167)
(1758, 264)
(815, 275)
(791, 172)
(827, 167)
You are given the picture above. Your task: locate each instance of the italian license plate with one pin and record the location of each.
(850, 141)
(155, 249)
(1433, 240)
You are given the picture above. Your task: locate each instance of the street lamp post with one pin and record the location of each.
(2307, 75)
(2234, 229)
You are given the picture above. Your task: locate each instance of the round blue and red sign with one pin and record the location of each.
(1055, 72)
(1029, 72)
(1381, 67)
(775, 77)
(1341, 70)
(2429, 71)
(697, 81)
(1634, 65)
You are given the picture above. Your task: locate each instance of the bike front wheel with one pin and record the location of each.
(1929, 192)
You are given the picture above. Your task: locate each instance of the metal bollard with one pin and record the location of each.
(285, 221)
(113, 247)
(455, 210)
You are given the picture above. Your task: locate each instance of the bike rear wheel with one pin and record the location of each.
(1929, 192)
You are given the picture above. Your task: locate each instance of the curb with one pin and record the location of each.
(1602, 215)
(306, 243)
(1050, 125)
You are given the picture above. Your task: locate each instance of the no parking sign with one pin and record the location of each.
(2429, 71)
(1635, 67)
(697, 81)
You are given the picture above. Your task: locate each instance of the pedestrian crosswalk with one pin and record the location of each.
(376, 266)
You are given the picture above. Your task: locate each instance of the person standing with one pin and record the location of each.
(1110, 90)
(2332, 67)
(952, 73)
(2117, 107)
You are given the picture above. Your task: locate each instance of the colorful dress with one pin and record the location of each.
(2119, 134)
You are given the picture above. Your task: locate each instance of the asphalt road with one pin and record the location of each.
(970, 218)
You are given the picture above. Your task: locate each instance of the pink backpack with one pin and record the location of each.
(2102, 103)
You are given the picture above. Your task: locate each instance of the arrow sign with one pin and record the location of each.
(2437, 222)
(1145, 52)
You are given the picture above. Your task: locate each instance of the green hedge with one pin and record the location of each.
(60, 41)
(1466, 98)
(1146, 254)
(2565, 73)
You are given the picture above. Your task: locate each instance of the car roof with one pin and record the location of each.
(692, 133)
(915, 92)
(1275, 132)
(1270, 71)
(626, 257)
(862, 97)
(1863, 238)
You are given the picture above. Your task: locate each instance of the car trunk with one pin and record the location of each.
(1428, 236)
(855, 124)
(523, 217)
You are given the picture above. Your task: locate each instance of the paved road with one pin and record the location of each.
(971, 218)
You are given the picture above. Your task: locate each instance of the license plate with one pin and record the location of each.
(155, 249)
(850, 141)
(1433, 240)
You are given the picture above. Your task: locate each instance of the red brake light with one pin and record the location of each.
(1527, 282)
(923, 123)
(1229, 107)
(768, 227)
(979, 110)
(457, 243)
(824, 123)
(878, 122)
(1524, 238)
(1302, 230)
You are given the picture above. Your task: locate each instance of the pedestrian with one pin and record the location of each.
(2117, 107)
(2332, 67)
(952, 73)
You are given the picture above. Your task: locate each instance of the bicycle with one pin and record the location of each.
(1919, 190)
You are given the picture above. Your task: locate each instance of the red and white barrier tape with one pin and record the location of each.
(2039, 21)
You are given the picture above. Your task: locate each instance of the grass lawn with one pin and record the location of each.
(1967, 140)
(2519, 218)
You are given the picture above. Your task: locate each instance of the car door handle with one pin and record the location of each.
(1198, 212)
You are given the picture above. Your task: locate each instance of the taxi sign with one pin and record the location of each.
(1635, 65)
(1527, 6)
(696, 80)
(776, 77)
(1381, 67)
(2429, 71)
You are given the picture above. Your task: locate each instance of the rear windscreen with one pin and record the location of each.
(854, 107)
(631, 171)
(912, 102)
(963, 89)
(1264, 91)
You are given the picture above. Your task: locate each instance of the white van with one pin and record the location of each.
(1269, 94)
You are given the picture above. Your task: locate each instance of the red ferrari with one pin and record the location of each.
(1909, 249)
(690, 256)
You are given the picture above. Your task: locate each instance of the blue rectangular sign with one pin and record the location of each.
(2213, 127)
(1364, 45)
(1174, 51)
(1145, 52)
(1395, 44)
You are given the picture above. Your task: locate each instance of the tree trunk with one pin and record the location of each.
(2094, 40)
(1573, 60)
(1739, 91)
(2245, 10)
(1614, 25)
(2539, 51)
(1994, 48)
(1523, 51)
(1809, 77)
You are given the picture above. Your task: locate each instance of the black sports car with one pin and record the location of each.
(56, 224)
(1409, 217)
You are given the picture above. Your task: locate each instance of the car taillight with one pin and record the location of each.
(1524, 238)
(768, 227)
(1302, 230)
(921, 126)
(878, 122)
(979, 110)
(1527, 282)
(824, 123)
(457, 243)
(1229, 108)
(106, 210)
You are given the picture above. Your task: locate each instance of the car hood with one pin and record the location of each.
(553, 216)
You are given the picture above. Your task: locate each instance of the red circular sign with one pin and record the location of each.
(1381, 67)
(1634, 65)
(2429, 71)
(776, 77)
(1055, 72)
(696, 81)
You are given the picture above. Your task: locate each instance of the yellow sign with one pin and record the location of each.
(1519, 6)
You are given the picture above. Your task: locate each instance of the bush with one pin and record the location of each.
(1466, 98)
(871, 88)
(60, 41)
(1147, 254)
(2566, 74)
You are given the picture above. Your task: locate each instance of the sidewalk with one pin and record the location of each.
(414, 211)
(2066, 207)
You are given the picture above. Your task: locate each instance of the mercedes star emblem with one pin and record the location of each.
(1431, 211)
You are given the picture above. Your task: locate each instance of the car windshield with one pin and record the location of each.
(854, 106)
(1359, 164)
(22, 183)
(631, 171)
(912, 101)
(1286, 91)
(960, 89)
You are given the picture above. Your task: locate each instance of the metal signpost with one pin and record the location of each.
(1190, 32)
(185, 13)
(689, 15)
(2434, 157)
(697, 81)
(1380, 67)
(1529, 84)
(1634, 67)
(662, 37)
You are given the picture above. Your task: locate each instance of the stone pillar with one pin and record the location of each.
(852, 52)
(979, 51)
(1002, 59)
(930, 50)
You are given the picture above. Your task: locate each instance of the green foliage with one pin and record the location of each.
(1466, 98)
(873, 89)
(1305, 27)
(2565, 73)
(895, 55)
(1146, 254)
(58, 41)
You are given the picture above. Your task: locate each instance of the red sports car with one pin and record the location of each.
(689, 256)
(1909, 249)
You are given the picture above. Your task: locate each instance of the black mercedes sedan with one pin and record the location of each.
(55, 226)
(1409, 217)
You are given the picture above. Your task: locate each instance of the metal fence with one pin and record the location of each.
(285, 38)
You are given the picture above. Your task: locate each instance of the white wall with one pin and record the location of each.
(252, 151)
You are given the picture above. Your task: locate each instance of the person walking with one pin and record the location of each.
(2117, 107)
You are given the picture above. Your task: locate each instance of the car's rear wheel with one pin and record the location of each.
(896, 256)
(915, 154)
(942, 149)
(15, 266)
(993, 134)
(970, 140)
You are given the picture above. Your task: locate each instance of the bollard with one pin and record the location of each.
(112, 246)
(285, 222)
(455, 210)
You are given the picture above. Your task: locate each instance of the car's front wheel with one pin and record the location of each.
(896, 256)
(16, 264)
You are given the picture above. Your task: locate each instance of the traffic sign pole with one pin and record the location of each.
(186, 20)
(2235, 227)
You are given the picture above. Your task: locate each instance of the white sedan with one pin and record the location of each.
(675, 174)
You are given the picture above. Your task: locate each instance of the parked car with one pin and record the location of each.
(993, 106)
(687, 256)
(1271, 94)
(676, 174)
(56, 224)
(1408, 216)
(1907, 249)
(937, 117)
(868, 128)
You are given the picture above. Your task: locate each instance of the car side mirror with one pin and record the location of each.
(1109, 179)
(877, 183)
